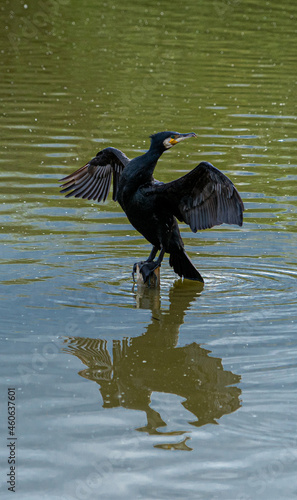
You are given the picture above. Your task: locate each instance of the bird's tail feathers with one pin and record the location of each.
(183, 266)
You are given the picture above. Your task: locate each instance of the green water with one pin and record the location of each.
(181, 393)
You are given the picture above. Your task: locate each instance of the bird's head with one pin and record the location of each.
(165, 140)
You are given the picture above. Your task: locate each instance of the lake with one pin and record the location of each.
(113, 391)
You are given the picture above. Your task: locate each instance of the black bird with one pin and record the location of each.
(202, 198)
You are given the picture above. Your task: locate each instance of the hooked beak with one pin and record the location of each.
(181, 137)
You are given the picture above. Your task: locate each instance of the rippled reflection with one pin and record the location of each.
(135, 367)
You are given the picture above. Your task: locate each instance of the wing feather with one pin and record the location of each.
(203, 198)
(93, 180)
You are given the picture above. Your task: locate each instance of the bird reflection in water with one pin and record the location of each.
(152, 362)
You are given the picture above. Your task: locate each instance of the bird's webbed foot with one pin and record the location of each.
(146, 268)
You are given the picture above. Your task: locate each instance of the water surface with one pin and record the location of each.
(185, 392)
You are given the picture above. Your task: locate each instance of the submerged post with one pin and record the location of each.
(152, 282)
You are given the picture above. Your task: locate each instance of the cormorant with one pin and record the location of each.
(202, 198)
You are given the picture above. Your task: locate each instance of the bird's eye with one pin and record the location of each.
(173, 137)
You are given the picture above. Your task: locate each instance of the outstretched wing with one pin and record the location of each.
(93, 180)
(203, 198)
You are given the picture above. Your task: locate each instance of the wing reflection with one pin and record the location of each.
(138, 366)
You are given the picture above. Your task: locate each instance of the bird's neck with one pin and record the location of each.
(150, 158)
(137, 173)
(143, 166)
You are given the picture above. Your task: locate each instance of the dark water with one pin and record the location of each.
(121, 393)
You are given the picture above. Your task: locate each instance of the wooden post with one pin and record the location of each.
(152, 282)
